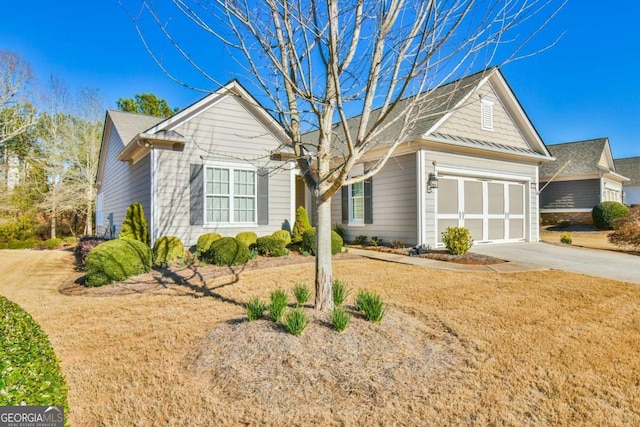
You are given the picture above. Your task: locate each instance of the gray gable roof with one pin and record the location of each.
(128, 125)
(583, 158)
(440, 101)
(629, 167)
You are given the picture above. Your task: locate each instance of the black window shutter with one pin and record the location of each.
(368, 201)
(263, 196)
(196, 183)
(345, 204)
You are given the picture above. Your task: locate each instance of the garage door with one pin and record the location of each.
(493, 211)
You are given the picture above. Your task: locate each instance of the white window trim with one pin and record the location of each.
(353, 221)
(231, 166)
(486, 114)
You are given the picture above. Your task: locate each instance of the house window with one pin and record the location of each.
(230, 194)
(486, 118)
(356, 203)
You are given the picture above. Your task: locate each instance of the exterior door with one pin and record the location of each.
(493, 211)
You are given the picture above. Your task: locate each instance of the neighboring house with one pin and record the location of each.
(206, 169)
(203, 170)
(480, 149)
(630, 167)
(582, 176)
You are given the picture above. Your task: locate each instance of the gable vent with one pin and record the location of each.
(487, 114)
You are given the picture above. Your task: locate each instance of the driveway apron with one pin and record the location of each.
(600, 263)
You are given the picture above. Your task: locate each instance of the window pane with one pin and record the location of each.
(244, 183)
(244, 209)
(357, 189)
(217, 209)
(357, 208)
(219, 181)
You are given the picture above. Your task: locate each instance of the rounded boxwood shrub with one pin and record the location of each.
(117, 260)
(247, 237)
(228, 251)
(458, 240)
(30, 371)
(284, 235)
(271, 246)
(205, 241)
(309, 241)
(605, 214)
(52, 243)
(167, 249)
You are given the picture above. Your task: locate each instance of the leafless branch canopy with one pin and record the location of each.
(350, 71)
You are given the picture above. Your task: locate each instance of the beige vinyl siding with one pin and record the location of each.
(395, 204)
(466, 121)
(480, 167)
(226, 131)
(127, 184)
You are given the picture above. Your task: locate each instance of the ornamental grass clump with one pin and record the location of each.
(339, 319)
(340, 292)
(371, 305)
(277, 304)
(296, 321)
(302, 293)
(255, 309)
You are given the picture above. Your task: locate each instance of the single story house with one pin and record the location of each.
(582, 176)
(472, 162)
(630, 167)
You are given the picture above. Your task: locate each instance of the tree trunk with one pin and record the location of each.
(324, 275)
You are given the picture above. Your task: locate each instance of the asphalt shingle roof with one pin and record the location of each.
(629, 167)
(583, 158)
(439, 102)
(128, 125)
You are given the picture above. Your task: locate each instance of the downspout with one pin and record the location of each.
(152, 165)
(420, 176)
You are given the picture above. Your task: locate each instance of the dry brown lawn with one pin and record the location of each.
(596, 239)
(537, 348)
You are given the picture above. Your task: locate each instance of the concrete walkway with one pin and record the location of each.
(600, 263)
(532, 257)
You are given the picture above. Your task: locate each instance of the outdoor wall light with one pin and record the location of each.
(432, 182)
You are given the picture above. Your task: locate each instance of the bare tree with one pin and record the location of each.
(318, 63)
(16, 78)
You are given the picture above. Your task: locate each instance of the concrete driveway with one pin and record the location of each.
(612, 265)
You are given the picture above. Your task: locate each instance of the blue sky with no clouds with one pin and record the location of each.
(587, 86)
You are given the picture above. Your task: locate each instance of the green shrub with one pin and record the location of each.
(247, 237)
(309, 241)
(205, 241)
(376, 241)
(301, 224)
(3, 245)
(271, 246)
(605, 214)
(134, 226)
(277, 304)
(70, 239)
(15, 244)
(32, 243)
(167, 249)
(360, 240)
(29, 369)
(227, 251)
(302, 293)
(371, 305)
(339, 319)
(566, 238)
(340, 292)
(284, 235)
(295, 321)
(338, 228)
(117, 260)
(458, 240)
(255, 309)
(52, 243)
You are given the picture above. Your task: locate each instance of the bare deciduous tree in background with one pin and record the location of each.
(318, 63)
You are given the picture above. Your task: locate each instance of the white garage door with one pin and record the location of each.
(494, 211)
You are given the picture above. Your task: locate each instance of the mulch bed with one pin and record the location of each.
(439, 255)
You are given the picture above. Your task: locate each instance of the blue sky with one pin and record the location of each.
(587, 86)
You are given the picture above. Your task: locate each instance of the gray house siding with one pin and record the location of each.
(568, 195)
(227, 132)
(127, 184)
(394, 203)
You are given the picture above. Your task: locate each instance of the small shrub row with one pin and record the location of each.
(29, 369)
